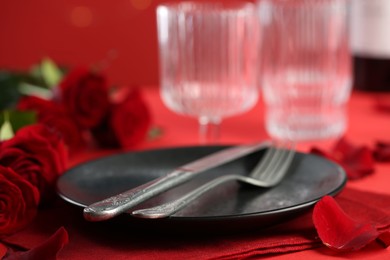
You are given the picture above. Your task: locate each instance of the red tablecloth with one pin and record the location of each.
(367, 125)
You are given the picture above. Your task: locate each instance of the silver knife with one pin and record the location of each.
(117, 204)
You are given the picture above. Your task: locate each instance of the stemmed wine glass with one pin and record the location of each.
(208, 56)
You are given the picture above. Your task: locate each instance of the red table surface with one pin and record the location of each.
(366, 125)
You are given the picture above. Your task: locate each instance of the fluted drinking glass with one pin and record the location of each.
(306, 68)
(208, 60)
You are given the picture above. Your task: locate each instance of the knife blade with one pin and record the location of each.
(120, 203)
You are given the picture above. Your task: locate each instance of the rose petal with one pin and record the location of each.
(54, 115)
(343, 149)
(25, 165)
(104, 136)
(127, 123)
(357, 161)
(384, 239)
(18, 201)
(131, 120)
(38, 154)
(357, 156)
(339, 231)
(3, 250)
(382, 151)
(85, 96)
(47, 250)
(360, 163)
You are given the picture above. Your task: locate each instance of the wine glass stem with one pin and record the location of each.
(209, 130)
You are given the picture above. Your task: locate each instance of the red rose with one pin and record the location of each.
(85, 95)
(127, 123)
(104, 136)
(54, 115)
(38, 154)
(19, 201)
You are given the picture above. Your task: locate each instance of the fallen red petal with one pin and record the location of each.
(360, 163)
(382, 151)
(357, 161)
(339, 231)
(47, 250)
(343, 149)
(384, 239)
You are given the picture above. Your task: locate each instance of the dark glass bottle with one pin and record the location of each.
(371, 74)
(370, 44)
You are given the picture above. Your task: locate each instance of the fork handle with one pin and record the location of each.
(169, 208)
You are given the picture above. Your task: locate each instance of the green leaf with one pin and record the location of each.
(51, 74)
(6, 131)
(34, 90)
(20, 119)
(16, 119)
(9, 94)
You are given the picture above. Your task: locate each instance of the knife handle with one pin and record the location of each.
(117, 204)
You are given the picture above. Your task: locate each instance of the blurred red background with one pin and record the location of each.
(119, 36)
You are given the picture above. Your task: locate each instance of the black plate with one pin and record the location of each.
(232, 205)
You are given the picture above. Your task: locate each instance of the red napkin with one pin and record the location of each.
(86, 241)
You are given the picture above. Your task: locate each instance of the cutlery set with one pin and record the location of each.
(268, 172)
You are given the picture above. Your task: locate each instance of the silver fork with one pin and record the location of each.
(269, 172)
